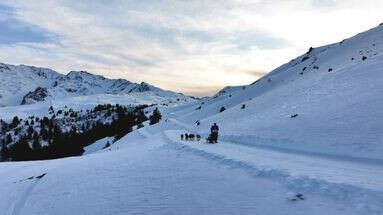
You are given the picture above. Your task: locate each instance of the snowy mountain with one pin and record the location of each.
(325, 101)
(304, 139)
(17, 81)
(28, 85)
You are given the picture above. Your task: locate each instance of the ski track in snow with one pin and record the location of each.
(351, 173)
(19, 205)
(357, 174)
(151, 172)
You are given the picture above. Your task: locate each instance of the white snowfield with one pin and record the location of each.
(304, 139)
(151, 171)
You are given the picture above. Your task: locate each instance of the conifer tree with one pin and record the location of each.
(4, 153)
(21, 151)
(15, 122)
(155, 117)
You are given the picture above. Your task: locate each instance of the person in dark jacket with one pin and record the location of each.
(214, 133)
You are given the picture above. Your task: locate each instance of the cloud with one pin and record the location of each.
(194, 46)
(15, 31)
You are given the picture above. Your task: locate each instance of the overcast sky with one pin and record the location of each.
(190, 46)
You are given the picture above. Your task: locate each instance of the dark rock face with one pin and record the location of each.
(36, 96)
(143, 87)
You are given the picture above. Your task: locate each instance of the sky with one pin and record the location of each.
(191, 46)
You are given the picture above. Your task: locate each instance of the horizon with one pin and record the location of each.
(169, 43)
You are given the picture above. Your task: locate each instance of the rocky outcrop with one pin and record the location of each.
(37, 95)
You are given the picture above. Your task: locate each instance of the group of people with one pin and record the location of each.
(213, 137)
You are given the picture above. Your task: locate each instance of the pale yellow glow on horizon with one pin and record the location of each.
(209, 44)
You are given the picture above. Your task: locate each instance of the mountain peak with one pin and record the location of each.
(28, 84)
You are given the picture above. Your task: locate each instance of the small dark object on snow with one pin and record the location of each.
(222, 109)
(30, 178)
(300, 196)
(316, 67)
(106, 145)
(310, 50)
(182, 137)
(191, 137)
(364, 58)
(40, 176)
(305, 58)
(296, 197)
(198, 137)
(330, 70)
(243, 106)
(186, 136)
(198, 123)
(294, 115)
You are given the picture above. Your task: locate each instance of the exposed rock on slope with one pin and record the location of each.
(36, 96)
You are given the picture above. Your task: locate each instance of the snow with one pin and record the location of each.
(266, 162)
(98, 145)
(89, 102)
(151, 175)
(326, 160)
(18, 81)
(339, 112)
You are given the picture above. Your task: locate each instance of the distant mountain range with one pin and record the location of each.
(28, 84)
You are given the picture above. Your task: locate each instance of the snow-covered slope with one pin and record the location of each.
(304, 139)
(16, 81)
(28, 85)
(150, 171)
(325, 101)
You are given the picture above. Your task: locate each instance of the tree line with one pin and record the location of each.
(66, 133)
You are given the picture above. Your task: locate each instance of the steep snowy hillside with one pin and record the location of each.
(28, 85)
(16, 81)
(325, 101)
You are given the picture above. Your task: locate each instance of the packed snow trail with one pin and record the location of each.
(21, 202)
(360, 175)
(363, 174)
(151, 175)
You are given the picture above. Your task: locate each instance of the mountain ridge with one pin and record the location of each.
(324, 101)
(25, 85)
